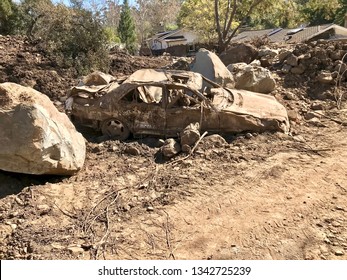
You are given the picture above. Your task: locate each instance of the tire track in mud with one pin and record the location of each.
(271, 211)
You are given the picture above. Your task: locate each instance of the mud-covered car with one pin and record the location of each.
(163, 103)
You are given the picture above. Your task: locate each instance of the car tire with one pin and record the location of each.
(115, 129)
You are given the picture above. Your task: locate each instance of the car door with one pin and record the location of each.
(143, 108)
(185, 107)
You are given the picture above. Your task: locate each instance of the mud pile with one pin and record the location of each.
(25, 63)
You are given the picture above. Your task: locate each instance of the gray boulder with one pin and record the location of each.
(209, 65)
(252, 77)
(35, 138)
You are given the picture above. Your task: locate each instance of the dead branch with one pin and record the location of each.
(332, 119)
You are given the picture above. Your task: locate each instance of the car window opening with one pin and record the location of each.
(145, 94)
(182, 97)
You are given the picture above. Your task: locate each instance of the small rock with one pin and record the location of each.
(130, 150)
(325, 77)
(170, 148)
(317, 106)
(298, 70)
(150, 209)
(340, 208)
(290, 95)
(75, 250)
(43, 209)
(248, 135)
(286, 69)
(299, 138)
(292, 115)
(311, 115)
(335, 224)
(57, 246)
(19, 201)
(339, 252)
(292, 60)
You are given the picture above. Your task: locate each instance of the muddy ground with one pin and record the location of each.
(266, 196)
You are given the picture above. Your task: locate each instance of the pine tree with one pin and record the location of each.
(126, 28)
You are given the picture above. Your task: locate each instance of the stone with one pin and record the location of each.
(293, 115)
(209, 65)
(76, 250)
(189, 136)
(292, 60)
(43, 209)
(317, 106)
(283, 55)
(339, 252)
(170, 148)
(265, 51)
(214, 140)
(286, 68)
(311, 115)
(35, 138)
(325, 77)
(290, 95)
(252, 78)
(131, 150)
(248, 135)
(239, 53)
(298, 70)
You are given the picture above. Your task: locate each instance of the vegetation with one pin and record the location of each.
(126, 28)
(80, 33)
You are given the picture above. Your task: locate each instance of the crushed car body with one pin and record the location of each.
(164, 102)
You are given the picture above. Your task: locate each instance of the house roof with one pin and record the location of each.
(296, 35)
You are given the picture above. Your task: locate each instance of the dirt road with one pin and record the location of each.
(272, 196)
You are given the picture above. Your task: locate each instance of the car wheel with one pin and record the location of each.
(115, 129)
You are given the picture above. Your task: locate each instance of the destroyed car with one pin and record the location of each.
(164, 102)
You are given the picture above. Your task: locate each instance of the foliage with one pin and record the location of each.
(9, 20)
(126, 28)
(340, 12)
(198, 15)
(280, 13)
(319, 12)
(71, 34)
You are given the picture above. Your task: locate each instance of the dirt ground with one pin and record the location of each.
(247, 196)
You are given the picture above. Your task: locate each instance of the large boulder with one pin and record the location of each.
(35, 138)
(209, 65)
(252, 77)
(239, 53)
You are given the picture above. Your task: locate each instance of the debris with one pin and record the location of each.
(189, 136)
(170, 148)
(76, 250)
(131, 150)
(339, 252)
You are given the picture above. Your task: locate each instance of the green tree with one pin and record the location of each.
(340, 12)
(9, 17)
(126, 28)
(317, 12)
(221, 19)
